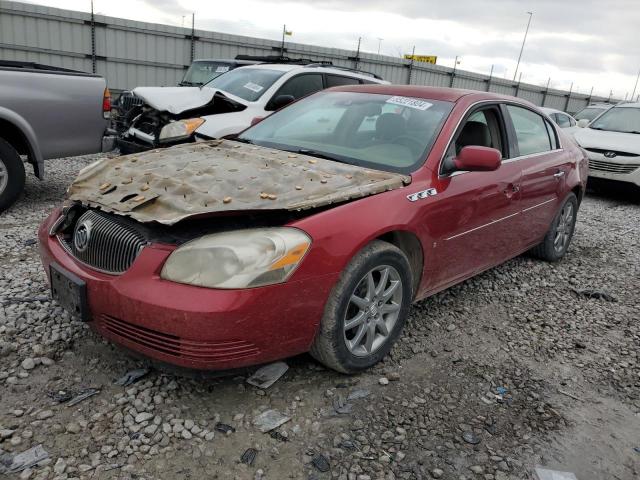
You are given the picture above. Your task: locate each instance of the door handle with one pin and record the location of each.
(559, 174)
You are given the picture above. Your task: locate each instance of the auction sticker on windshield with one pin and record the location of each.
(410, 102)
(222, 69)
(254, 87)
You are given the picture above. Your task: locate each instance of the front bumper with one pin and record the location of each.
(195, 327)
(619, 168)
(109, 140)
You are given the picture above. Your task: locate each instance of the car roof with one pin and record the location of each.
(428, 93)
(317, 67)
(226, 60)
(628, 105)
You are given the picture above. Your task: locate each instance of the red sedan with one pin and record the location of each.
(315, 229)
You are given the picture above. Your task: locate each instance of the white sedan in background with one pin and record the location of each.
(562, 119)
(612, 142)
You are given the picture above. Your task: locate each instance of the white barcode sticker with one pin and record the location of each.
(254, 87)
(222, 69)
(410, 102)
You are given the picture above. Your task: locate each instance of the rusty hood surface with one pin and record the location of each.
(172, 184)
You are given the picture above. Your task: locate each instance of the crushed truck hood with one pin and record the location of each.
(176, 100)
(169, 185)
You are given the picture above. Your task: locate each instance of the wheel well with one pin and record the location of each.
(412, 248)
(577, 190)
(15, 138)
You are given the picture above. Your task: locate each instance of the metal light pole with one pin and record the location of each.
(522, 48)
(636, 85)
(379, 43)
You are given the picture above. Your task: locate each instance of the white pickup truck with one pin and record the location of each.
(47, 112)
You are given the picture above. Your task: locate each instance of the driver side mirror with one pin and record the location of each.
(474, 158)
(583, 122)
(280, 101)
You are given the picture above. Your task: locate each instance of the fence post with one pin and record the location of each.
(413, 52)
(546, 92)
(518, 85)
(193, 37)
(566, 105)
(489, 80)
(453, 72)
(93, 41)
(589, 97)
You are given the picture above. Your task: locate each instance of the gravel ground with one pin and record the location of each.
(512, 369)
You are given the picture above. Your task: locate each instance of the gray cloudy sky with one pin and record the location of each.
(587, 42)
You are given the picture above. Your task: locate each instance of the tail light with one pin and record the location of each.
(106, 104)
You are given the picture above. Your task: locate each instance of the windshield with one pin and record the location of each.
(589, 113)
(246, 83)
(200, 73)
(385, 132)
(619, 119)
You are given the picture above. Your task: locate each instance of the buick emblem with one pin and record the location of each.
(610, 154)
(82, 235)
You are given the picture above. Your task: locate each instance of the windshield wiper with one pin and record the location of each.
(242, 140)
(313, 153)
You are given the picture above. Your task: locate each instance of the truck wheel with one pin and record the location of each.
(11, 175)
(366, 309)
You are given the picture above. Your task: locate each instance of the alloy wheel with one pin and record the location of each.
(373, 310)
(564, 228)
(4, 176)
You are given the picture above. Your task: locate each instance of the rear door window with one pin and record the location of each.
(338, 80)
(532, 134)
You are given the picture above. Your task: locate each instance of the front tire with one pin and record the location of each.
(558, 237)
(12, 176)
(366, 310)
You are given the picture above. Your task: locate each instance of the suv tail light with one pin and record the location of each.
(106, 104)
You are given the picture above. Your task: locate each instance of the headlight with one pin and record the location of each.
(238, 259)
(180, 129)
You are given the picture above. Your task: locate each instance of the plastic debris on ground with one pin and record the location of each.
(501, 390)
(320, 462)
(83, 395)
(268, 375)
(596, 294)
(13, 463)
(61, 396)
(223, 428)
(340, 405)
(270, 420)
(545, 474)
(131, 376)
(358, 393)
(278, 436)
(249, 456)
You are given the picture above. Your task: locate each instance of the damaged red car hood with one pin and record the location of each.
(169, 185)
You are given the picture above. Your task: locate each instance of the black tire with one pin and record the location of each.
(548, 249)
(330, 345)
(13, 168)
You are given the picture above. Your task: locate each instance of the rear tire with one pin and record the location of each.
(12, 176)
(558, 238)
(356, 334)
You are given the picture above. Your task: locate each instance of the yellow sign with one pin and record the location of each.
(422, 58)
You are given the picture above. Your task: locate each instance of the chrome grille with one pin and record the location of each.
(622, 168)
(617, 153)
(102, 242)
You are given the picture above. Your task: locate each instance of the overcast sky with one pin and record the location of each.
(587, 42)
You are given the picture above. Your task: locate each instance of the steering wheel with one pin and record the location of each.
(411, 143)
